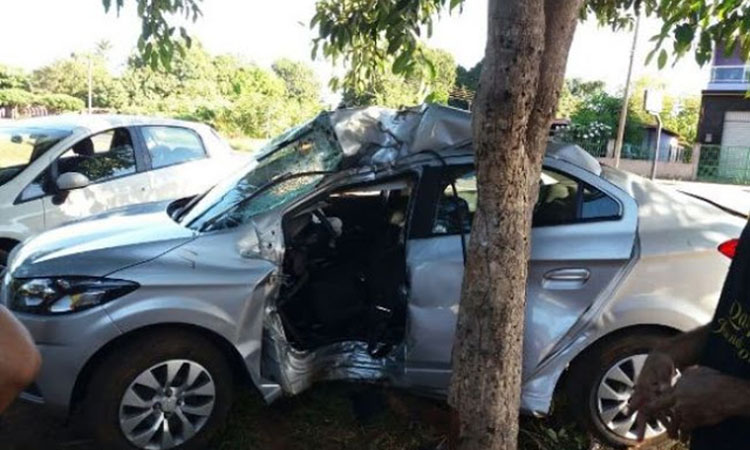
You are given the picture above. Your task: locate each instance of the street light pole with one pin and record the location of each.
(626, 96)
(91, 82)
(658, 144)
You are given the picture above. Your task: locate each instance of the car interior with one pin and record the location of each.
(103, 156)
(345, 268)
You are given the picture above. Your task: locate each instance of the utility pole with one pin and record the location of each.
(653, 104)
(655, 163)
(91, 83)
(626, 96)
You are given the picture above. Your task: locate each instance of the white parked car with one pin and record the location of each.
(58, 169)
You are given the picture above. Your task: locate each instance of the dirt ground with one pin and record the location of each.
(29, 427)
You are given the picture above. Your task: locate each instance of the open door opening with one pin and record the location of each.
(345, 268)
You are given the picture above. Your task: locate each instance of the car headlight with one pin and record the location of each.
(64, 295)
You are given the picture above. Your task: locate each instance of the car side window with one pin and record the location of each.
(562, 200)
(168, 146)
(456, 213)
(101, 157)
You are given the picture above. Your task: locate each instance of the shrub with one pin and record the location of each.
(16, 98)
(61, 102)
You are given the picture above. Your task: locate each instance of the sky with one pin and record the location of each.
(37, 32)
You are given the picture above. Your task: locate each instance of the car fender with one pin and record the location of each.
(632, 313)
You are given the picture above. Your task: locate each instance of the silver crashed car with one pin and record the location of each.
(338, 255)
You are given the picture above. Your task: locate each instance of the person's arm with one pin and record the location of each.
(19, 358)
(673, 354)
(685, 349)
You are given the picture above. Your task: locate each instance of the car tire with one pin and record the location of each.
(148, 360)
(598, 368)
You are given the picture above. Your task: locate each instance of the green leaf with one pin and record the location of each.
(401, 63)
(663, 56)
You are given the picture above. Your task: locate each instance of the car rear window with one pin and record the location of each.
(168, 146)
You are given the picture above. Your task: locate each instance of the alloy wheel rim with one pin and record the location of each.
(612, 397)
(167, 404)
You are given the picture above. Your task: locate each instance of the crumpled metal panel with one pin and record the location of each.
(296, 370)
(426, 127)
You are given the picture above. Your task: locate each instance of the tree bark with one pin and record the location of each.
(527, 49)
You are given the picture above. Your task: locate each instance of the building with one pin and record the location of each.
(724, 127)
(670, 148)
(725, 111)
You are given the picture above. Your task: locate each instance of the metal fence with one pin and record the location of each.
(596, 148)
(724, 164)
(637, 152)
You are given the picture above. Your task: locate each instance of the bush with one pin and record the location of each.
(61, 102)
(16, 98)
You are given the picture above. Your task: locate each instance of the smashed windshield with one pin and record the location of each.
(310, 148)
(20, 146)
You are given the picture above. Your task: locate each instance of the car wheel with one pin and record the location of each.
(159, 391)
(601, 383)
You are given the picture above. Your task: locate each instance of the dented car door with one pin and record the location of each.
(582, 241)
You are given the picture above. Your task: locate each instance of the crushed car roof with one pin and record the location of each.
(375, 135)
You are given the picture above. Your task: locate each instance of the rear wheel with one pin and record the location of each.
(160, 391)
(601, 384)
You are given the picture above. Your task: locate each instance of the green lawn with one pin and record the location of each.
(324, 419)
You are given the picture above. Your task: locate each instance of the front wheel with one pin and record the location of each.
(160, 391)
(601, 383)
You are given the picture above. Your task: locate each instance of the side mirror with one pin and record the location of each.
(70, 181)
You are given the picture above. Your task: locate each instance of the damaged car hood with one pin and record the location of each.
(101, 245)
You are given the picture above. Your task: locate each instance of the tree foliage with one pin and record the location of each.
(406, 89)
(687, 25)
(160, 39)
(12, 78)
(70, 76)
(679, 113)
(370, 36)
(237, 97)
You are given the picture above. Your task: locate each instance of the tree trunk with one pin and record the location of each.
(524, 67)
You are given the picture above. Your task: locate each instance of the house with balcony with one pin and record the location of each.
(724, 127)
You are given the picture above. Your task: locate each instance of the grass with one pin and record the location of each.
(339, 416)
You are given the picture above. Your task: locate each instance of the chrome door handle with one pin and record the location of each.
(565, 279)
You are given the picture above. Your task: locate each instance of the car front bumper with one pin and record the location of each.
(66, 343)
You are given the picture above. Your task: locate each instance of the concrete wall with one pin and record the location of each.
(664, 170)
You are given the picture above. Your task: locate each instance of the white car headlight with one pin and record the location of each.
(64, 295)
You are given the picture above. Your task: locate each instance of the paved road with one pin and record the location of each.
(736, 198)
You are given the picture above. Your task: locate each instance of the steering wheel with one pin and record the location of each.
(326, 224)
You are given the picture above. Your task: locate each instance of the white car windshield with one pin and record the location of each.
(20, 146)
(309, 148)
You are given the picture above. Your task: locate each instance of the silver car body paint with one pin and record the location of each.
(657, 266)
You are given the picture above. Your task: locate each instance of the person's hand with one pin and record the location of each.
(655, 379)
(702, 397)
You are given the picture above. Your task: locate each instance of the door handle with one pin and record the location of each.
(566, 279)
